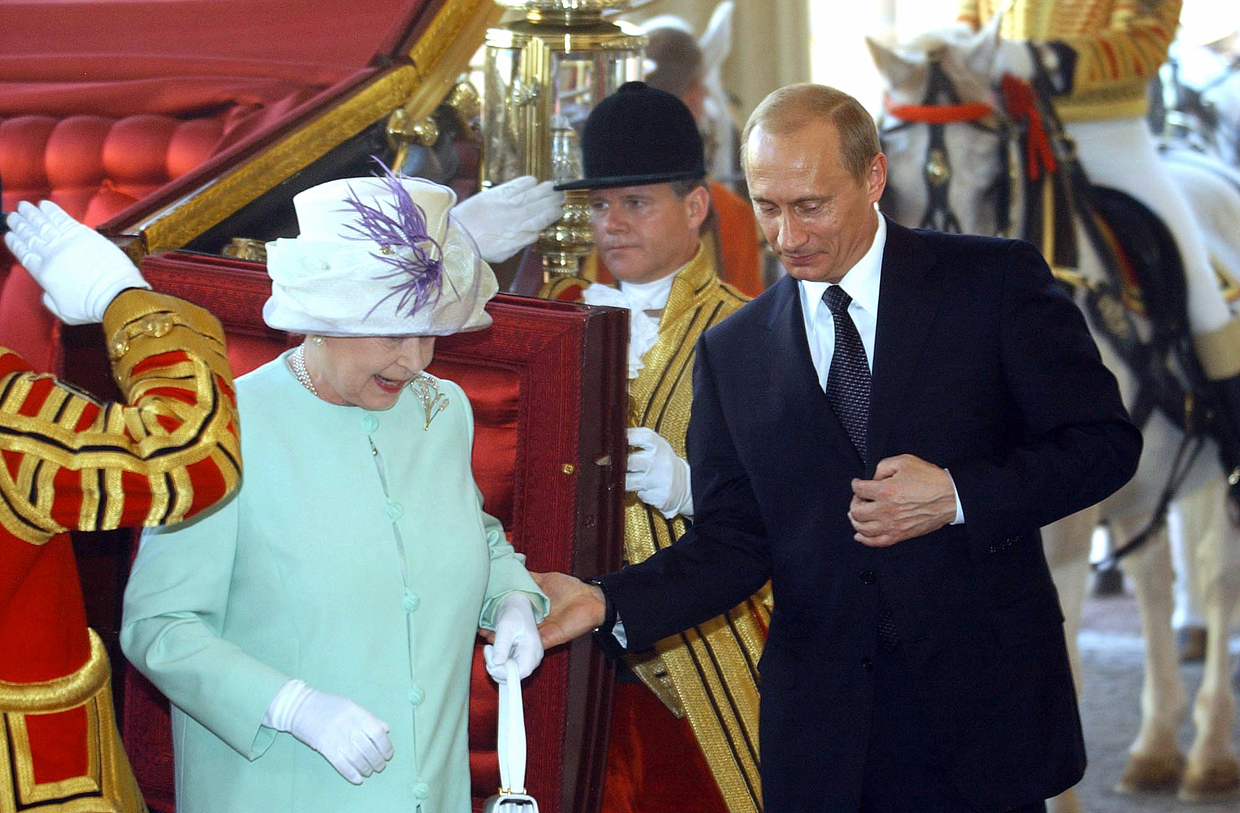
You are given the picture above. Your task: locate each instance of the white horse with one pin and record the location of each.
(955, 174)
(1200, 90)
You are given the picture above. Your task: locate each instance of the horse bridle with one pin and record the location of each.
(939, 107)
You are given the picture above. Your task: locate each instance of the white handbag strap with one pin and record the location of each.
(511, 745)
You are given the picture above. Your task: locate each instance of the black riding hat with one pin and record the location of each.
(639, 135)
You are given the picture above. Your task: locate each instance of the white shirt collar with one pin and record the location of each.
(861, 282)
(650, 296)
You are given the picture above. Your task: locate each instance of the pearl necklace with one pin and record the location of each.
(298, 360)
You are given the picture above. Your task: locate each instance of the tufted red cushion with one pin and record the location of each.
(93, 167)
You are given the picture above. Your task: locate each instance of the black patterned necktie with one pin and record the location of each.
(848, 392)
(848, 380)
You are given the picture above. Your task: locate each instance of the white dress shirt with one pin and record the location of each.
(861, 283)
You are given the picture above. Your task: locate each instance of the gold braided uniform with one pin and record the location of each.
(70, 463)
(708, 674)
(1119, 46)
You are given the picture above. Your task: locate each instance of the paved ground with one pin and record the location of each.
(1111, 648)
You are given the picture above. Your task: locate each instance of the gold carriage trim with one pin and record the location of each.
(1219, 351)
(107, 786)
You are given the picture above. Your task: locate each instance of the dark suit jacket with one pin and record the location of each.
(982, 365)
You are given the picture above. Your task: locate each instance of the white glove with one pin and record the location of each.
(352, 739)
(80, 270)
(506, 218)
(516, 637)
(658, 475)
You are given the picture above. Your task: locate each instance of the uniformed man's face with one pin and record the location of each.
(644, 233)
(367, 371)
(816, 215)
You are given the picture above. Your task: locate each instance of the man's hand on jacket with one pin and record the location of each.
(908, 497)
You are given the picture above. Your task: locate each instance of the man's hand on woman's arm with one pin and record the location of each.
(576, 608)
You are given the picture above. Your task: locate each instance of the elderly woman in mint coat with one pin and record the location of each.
(314, 633)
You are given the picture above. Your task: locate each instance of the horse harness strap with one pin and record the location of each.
(938, 113)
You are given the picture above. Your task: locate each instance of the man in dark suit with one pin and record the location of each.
(881, 434)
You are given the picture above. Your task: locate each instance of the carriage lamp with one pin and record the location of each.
(545, 70)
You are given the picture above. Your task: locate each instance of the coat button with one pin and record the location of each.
(410, 601)
(992, 549)
(868, 577)
(421, 790)
(394, 511)
(867, 664)
(369, 423)
(416, 695)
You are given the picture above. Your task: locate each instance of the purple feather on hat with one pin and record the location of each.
(403, 241)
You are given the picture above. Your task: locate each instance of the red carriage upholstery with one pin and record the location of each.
(103, 102)
(93, 167)
(547, 387)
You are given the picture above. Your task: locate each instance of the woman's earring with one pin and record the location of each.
(317, 340)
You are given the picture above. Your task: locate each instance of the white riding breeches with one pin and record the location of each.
(1120, 153)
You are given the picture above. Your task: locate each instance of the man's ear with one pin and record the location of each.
(876, 177)
(698, 204)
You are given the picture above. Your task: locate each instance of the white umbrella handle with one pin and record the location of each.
(511, 744)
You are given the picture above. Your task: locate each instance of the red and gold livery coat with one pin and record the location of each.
(1118, 46)
(73, 463)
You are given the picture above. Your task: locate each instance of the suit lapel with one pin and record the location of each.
(794, 381)
(908, 299)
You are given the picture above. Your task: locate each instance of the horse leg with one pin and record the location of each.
(1154, 759)
(1066, 545)
(1213, 770)
(1184, 523)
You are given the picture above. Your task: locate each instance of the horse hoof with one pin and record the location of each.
(1216, 781)
(1147, 774)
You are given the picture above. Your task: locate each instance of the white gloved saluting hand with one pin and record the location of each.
(352, 739)
(658, 475)
(506, 218)
(80, 270)
(516, 637)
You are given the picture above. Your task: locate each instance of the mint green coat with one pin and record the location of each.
(314, 569)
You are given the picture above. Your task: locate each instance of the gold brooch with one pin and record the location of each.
(427, 390)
